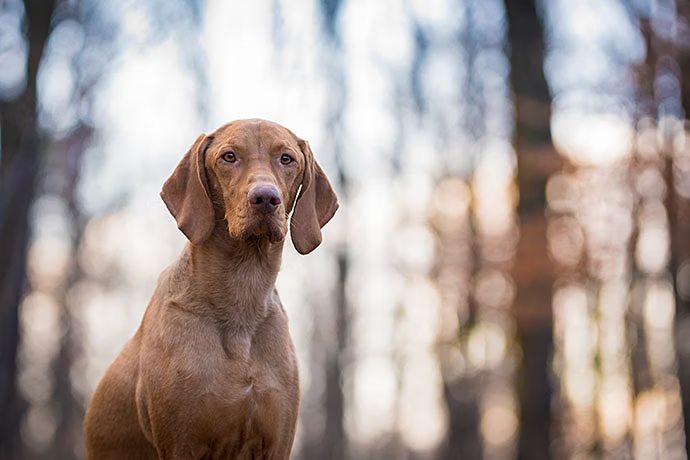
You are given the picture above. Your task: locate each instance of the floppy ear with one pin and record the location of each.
(186, 195)
(315, 205)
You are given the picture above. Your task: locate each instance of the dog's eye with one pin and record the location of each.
(229, 157)
(286, 159)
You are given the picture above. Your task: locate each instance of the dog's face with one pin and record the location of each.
(254, 170)
(246, 176)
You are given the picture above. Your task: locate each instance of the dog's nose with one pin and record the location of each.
(264, 198)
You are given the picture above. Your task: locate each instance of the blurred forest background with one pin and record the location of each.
(509, 273)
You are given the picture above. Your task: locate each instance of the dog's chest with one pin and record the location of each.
(254, 397)
(249, 404)
(254, 368)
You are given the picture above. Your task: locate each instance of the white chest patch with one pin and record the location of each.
(249, 388)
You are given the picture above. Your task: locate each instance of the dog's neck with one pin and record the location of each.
(235, 277)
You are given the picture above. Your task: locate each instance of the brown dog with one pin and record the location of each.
(211, 372)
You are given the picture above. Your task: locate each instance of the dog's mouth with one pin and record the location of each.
(258, 225)
(268, 226)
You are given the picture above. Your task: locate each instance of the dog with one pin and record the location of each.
(211, 373)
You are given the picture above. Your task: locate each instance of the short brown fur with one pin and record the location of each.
(211, 372)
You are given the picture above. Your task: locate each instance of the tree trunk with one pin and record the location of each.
(534, 272)
(463, 439)
(19, 164)
(332, 444)
(678, 211)
(335, 446)
(678, 208)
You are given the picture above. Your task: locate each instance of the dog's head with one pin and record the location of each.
(246, 176)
